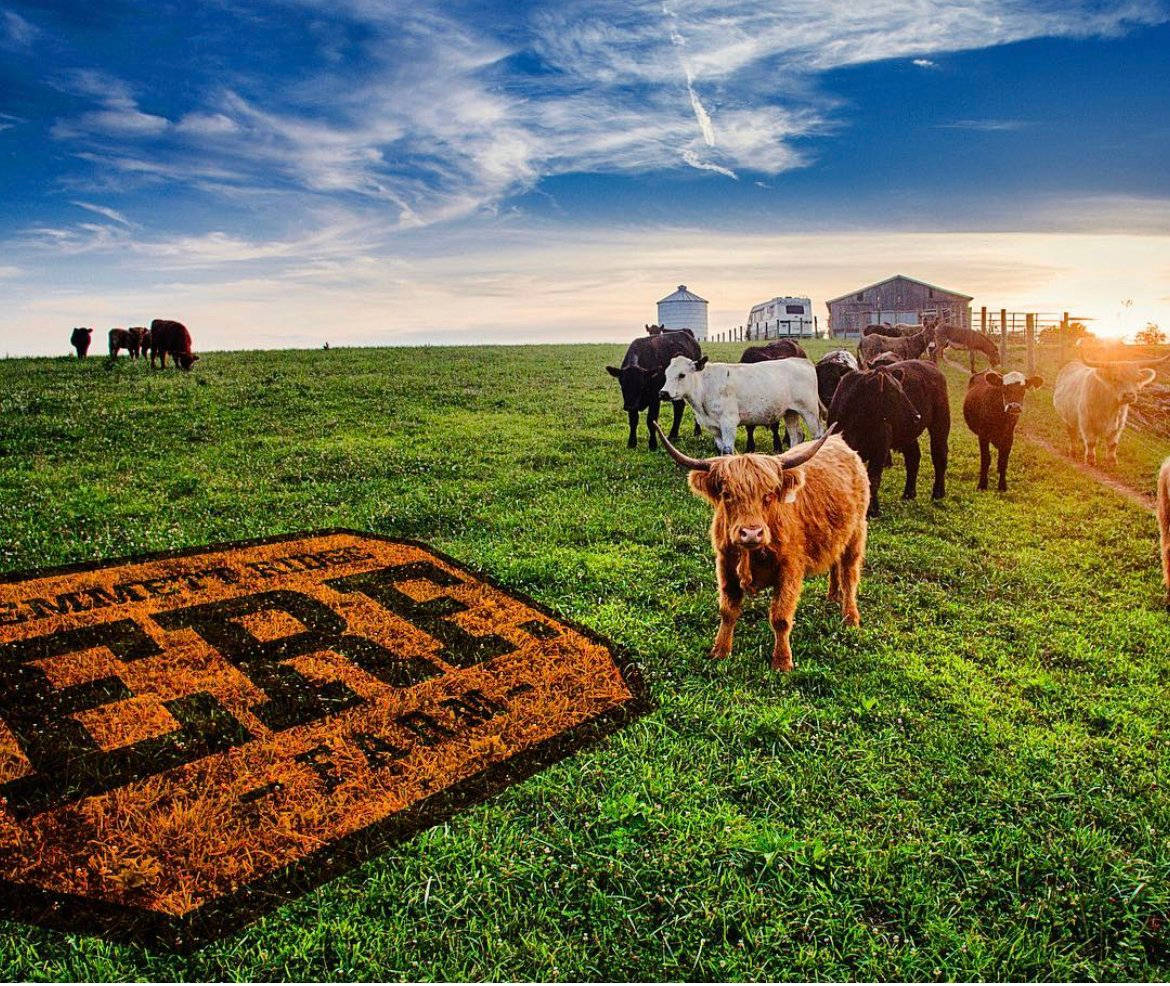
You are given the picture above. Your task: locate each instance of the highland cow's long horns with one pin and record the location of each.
(799, 456)
(1105, 365)
(702, 465)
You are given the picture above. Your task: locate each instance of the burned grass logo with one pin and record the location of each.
(189, 740)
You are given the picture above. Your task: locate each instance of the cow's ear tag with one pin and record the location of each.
(790, 495)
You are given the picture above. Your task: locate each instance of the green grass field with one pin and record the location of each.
(973, 785)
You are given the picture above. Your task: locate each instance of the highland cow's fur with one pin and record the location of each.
(774, 526)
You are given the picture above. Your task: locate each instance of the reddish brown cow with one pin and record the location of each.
(779, 518)
(167, 337)
(991, 409)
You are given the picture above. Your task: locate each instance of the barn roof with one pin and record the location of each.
(903, 277)
(682, 294)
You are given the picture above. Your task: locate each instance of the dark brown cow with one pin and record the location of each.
(123, 339)
(777, 349)
(887, 409)
(778, 519)
(80, 339)
(643, 374)
(991, 409)
(140, 336)
(167, 337)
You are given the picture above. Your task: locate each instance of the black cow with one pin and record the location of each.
(830, 369)
(167, 337)
(642, 376)
(887, 409)
(80, 340)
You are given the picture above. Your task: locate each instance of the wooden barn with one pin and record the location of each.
(898, 299)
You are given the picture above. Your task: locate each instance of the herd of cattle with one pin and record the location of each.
(780, 518)
(164, 338)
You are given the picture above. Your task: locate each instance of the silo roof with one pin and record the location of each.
(682, 294)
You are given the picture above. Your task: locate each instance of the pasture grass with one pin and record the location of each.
(971, 786)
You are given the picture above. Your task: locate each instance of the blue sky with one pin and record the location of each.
(281, 173)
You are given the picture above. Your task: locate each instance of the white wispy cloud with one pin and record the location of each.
(924, 63)
(104, 210)
(450, 128)
(985, 125)
(15, 31)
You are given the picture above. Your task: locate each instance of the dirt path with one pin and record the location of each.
(1143, 500)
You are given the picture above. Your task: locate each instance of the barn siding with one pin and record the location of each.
(850, 313)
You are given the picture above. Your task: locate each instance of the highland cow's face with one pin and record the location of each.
(746, 491)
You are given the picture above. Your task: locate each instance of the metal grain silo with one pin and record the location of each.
(684, 310)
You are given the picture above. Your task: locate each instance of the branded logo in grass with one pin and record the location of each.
(187, 740)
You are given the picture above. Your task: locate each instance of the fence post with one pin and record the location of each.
(1002, 336)
(1030, 341)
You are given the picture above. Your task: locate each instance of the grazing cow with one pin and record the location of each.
(991, 409)
(642, 375)
(778, 519)
(123, 339)
(887, 409)
(910, 347)
(830, 369)
(167, 337)
(80, 340)
(777, 349)
(1093, 401)
(1164, 522)
(727, 395)
(969, 340)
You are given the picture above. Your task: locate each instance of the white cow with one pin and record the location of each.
(1093, 401)
(727, 395)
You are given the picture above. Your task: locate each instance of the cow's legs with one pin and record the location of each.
(632, 443)
(784, 600)
(730, 602)
(751, 439)
(984, 462)
(850, 565)
(938, 459)
(725, 439)
(1001, 464)
(651, 419)
(834, 595)
(813, 421)
(913, 457)
(874, 468)
(1090, 446)
(678, 413)
(698, 429)
(775, 436)
(1075, 447)
(792, 427)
